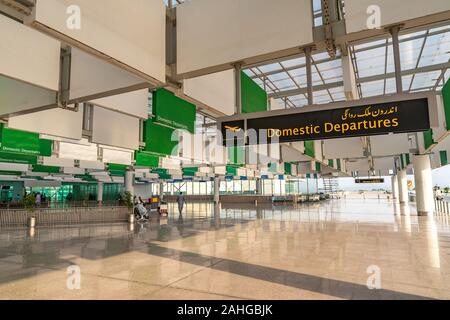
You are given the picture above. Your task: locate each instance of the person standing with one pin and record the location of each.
(181, 201)
(38, 199)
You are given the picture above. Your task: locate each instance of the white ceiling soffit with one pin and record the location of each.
(130, 34)
(63, 123)
(115, 129)
(74, 170)
(133, 103)
(58, 162)
(17, 97)
(82, 151)
(28, 55)
(361, 165)
(216, 33)
(216, 90)
(383, 163)
(13, 167)
(343, 148)
(117, 156)
(275, 105)
(92, 78)
(289, 154)
(93, 165)
(360, 13)
(389, 145)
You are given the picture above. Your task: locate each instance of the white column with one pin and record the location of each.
(216, 190)
(100, 192)
(402, 187)
(258, 186)
(161, 190)
(394, 180)
(424, 184)
(129, 182)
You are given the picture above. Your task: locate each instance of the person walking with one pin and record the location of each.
(181, 201)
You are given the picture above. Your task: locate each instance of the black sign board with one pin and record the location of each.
(366, 120)
(370, 180)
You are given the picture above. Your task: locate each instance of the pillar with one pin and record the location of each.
(402, 187)
(216, 190)
(129, 182)
(100, 192)
(394, 180)
(161, 190)
(258, 186)
(397, 60)
(424, 185)
(309, 82)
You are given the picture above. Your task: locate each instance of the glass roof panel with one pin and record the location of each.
(270, 67)
(437, 50)
(278, 76)
(321, 97)
(410, 52)
(425, 79)
(294, 62)
(286, 84)
(390, 87)
(371, 62)
(372, 88)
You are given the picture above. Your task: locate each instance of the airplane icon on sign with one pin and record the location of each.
(233, 129)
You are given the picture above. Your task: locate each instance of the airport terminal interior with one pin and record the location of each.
(222, 150)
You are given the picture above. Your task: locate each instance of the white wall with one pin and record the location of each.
(216, 32)
(392, 11)
(131, 32)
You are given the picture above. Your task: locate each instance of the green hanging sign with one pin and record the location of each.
(159, 139)
(146, 159)
(46, 169)
(287, 168)
(172, 111)
(117, 169)
(190, 172)
(17, 141)
(17, 158)
(253, 97)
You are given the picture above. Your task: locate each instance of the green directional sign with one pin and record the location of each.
(160, 139)
(172, 111)
(46, 169)
(253, 97)
(17, 141)
(117, 169)
(146, 159)
(190, 172)
(17, 158)
(288, 168)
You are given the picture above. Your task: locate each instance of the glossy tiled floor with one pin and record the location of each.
(305, 252)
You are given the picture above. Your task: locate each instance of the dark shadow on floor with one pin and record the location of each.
(336, 288)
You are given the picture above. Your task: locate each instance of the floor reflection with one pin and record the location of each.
(319, 251)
